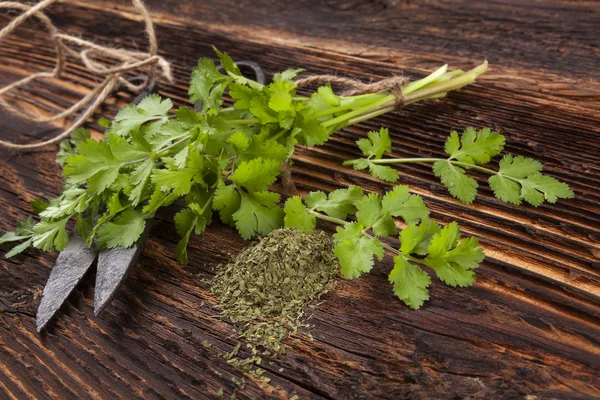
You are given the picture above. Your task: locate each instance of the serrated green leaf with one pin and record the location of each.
(257, 174)
(459, 185)
(227, 62)
(227, 201)
(280, 95)
(383, 172)
(454, 262)
(51, 235)
(258, 213)
(354, 251)
(475, 146)
(410, 282)
(518, 166)
(123, 231)
(131, 117)
(416, 238)
(239, 140)
(139, 177)
(241, 95)
(287, 75)
(207, 84)
(400, 203)
(376, 144)
(18, 249)
(505, 189)
(552, 188)
(369, 209)
(327, 94)
(297, 216)
(340, 203)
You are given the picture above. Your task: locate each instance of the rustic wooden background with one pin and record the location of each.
(530, 326)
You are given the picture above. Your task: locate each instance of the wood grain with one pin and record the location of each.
(529, 327)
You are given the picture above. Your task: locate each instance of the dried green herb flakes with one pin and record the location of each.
(270, 284)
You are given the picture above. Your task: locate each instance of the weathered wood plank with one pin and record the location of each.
(531, 324)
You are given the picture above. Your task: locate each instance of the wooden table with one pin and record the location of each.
(529, 327)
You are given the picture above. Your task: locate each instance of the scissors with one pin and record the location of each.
(113, 265)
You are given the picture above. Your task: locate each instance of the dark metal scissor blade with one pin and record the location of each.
(113, 267)
(71, 265)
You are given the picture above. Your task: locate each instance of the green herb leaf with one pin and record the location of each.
(410, 282)
(124, 231)
(297, 216)
(258, 213)
(354, 251)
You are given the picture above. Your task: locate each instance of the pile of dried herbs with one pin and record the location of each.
(270, 284)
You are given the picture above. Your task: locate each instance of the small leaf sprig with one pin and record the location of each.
(516, 180)
(359, 242)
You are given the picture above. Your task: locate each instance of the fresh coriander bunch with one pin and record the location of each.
(516, 180)
(219, 161)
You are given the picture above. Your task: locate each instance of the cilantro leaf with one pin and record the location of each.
(255, 175)
(123, 231)
(475, 146)
(416, 238)
(410, 282)
(400, 203)
(139, 179)
(242, 96)
(519, 178)
(94, 164)
(382, 172)
(67, 147)
(354, 251)
(227, 201)
(376, 144)
(280, 95)
(131, 117)
(454, 262)
(227, 62)
(454, 178)
(550, 187)
(258, 213)
(51, 235)
(519, 167)
(73, 200)
(340, 203)
(188, 220)
(207, 84)
(298, 217)
(287, 75)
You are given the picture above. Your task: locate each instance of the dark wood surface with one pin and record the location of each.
(529, 327)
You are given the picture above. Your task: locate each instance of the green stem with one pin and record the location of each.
(349, 105)
(359, 111)
(396, 161)
(327, 217)
(248, 121)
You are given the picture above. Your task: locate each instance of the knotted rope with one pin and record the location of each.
(88, 53)
(391, 85)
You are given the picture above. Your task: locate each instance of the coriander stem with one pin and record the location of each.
(397, 161)
(370, 115)
(473, 166)
(183, 139)
(349, 105)
(248, 121)
(328, 218)
(384, 245)
(358, 112)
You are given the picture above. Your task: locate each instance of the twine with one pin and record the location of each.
(391, 85)
(88, 53)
